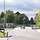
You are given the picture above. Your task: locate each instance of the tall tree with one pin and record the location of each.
(9, 16)
(23, 19)
(17, 16)
(2, 17)
(27, 21)
(31, 21)
(2, 14)
(17, 13)
(37, 18)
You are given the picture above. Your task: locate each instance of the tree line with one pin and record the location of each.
(16, 18)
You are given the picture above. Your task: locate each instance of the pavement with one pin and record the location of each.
(22, 34)
(37, 30)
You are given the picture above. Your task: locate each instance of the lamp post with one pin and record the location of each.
(5, 21)
(4, 18)
(4, 5)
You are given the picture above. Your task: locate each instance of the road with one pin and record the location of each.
(22, 34)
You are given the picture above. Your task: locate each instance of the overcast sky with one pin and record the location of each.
(25, 6)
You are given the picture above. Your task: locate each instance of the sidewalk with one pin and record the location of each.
(37, 30)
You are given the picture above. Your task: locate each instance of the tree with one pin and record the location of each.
(9, 16)
(17, 13)
(2, 17)
(23, 19)
(27, 21)
(17, 17)
(2, 14)
(37, 18)
(31, 21)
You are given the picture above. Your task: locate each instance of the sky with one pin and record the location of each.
(25, 6)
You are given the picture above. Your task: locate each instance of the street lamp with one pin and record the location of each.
(4, 12)
(4, 16)
(5, 21)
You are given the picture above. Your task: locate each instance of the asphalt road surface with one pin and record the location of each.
(22, 34)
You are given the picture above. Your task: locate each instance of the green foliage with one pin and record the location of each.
(17, 13)
(2, 14)
(2, 17)
(37, 20)
(31, 21)
(20, 19)
(16, 18)
(1, 34)
(9, 16)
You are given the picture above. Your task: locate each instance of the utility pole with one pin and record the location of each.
(4, 12)
(4, 18)
(4, 5)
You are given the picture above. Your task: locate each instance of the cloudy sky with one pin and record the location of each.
(25, 6)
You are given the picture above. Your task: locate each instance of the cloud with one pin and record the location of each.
(21, 4)
(28, 6)
(36, 1)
